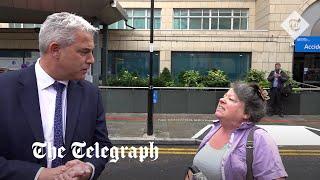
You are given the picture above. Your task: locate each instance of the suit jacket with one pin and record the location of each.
(282, 79)
(21, 126)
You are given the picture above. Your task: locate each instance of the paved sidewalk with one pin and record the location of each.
(131, 128)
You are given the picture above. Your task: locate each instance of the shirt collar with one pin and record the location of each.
(243, 125)
(44, 80)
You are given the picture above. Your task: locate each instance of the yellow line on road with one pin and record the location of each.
(283, 152)
(299, 154)
(299, 150)
(178, 153)
(177, 149)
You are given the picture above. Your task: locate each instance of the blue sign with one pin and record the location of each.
(307, 44)
(155, 96)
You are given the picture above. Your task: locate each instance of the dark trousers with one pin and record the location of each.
(276, 104)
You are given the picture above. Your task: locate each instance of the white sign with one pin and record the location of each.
(295, 25)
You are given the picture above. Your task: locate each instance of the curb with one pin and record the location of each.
(157, 141)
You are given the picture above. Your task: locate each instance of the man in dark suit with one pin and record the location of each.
(277, 78)
(50, 102)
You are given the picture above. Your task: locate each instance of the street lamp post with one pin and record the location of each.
(150, 89)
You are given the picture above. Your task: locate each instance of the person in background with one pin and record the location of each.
(222, 152)
(24, 65)
(277, 78)
(50, 102)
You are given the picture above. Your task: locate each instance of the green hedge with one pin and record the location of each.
(191, 78)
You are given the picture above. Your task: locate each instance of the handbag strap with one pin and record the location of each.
(249, 152)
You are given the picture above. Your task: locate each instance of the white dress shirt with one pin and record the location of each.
(47, 100)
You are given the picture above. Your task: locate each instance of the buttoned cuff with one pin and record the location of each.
(93, 169)
(38, 173)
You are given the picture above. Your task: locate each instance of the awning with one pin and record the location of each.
(36, 11)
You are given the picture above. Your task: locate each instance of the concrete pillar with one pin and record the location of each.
(96, 67)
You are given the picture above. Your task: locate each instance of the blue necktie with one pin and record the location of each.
(58, 129)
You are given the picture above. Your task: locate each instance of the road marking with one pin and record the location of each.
(178, 153)
(193, 151)
(283, 152)
(292, 135)
(312, 128)
(177, 149)
(284, 135)
(201, 132)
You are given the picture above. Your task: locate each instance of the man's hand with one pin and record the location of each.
(77, 169)
(276, 75)
(51, 173)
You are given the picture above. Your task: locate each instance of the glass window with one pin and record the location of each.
(244, 23)
(211, 19)
(236, 23)
(133, 61)
(244, 13)
(23, 25)
(184, 12)
(156, 23)
(214, 23)
(205, 24)
(129, 12)
(176, 23)
(214, 12)
(16, 59)
(236, 12)
(113, 26)
(224, 23)
(140, 19)
(28, 25)
(206, 12)
(121, 24)
(195, 12)
(139, 23)
(130, 22)
(235, 65)
(195, 23)
(157, 13)
(184, 23)
(139, 12)
(177, 12)
(224, 12)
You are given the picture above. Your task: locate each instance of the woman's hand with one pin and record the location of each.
(188, 175)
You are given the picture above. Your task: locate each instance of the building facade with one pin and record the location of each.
(231, 35)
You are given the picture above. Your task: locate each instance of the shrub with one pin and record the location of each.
(258, 77)
(290, 81)
(190, 78)
(125, 78)
(164, 80)
(216, 78)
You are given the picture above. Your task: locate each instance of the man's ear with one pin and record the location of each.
(54, 50)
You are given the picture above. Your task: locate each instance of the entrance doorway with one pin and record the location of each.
(306, 68)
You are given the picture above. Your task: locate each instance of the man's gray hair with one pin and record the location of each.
(60, 28)
(248, 93)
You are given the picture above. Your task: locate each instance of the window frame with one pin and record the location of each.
(243, 13)
(131, 17)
